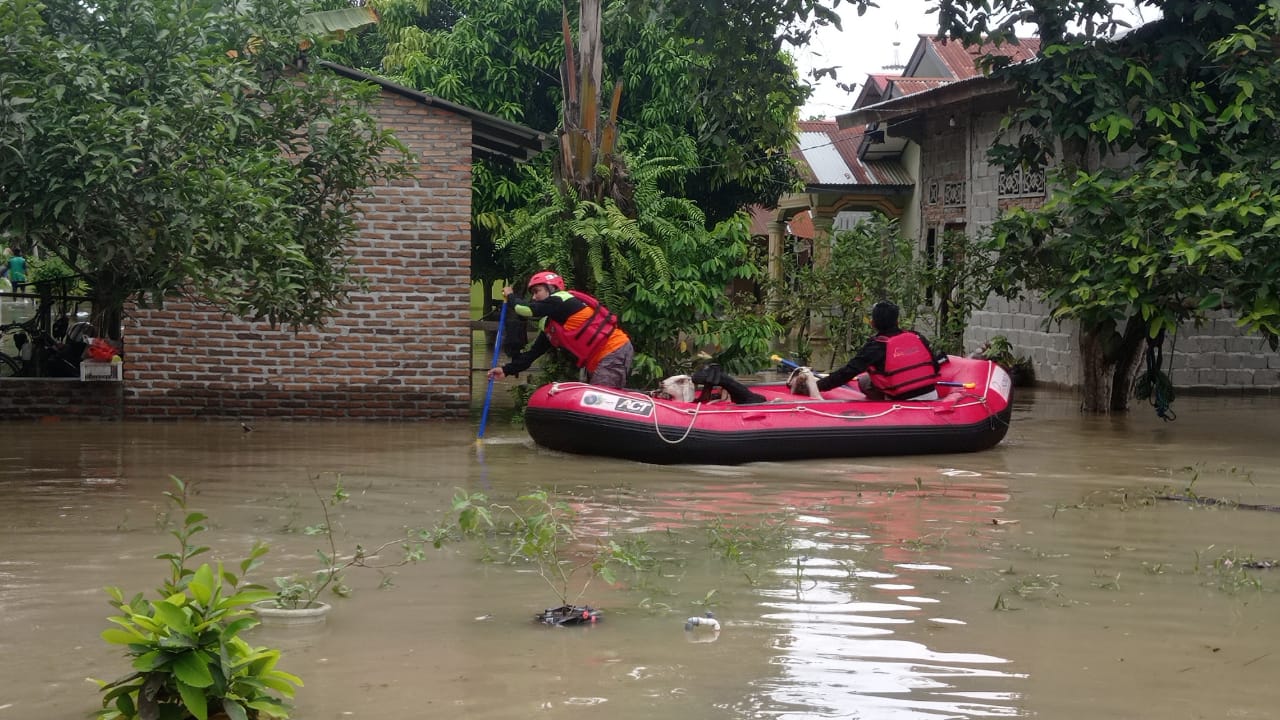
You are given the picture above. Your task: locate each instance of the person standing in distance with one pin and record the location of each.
(17, 270)
(573, 321)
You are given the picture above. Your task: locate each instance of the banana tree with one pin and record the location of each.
(334, 24)
(590, 169)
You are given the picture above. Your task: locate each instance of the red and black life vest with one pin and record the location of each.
(586, 340)
(908, 366)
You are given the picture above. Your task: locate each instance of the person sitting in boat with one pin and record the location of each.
(898, 364)
(573, 321)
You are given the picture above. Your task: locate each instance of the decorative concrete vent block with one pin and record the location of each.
(97, 370)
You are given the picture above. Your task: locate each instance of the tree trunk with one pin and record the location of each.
(1095, 380)
(1127, 356)
(107, 313)
(1107, 361)
(580, 255)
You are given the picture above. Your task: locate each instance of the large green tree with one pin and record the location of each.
(662, 84)
(711, 85)
(182, 148)
(1165, 201)
(620, 234)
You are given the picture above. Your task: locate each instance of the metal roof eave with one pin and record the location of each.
(859, 188)
(958, 91)
(490, 135)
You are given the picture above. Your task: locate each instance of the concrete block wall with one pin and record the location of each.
(945, 159)
(984, 178)
(400, 350)
(1053, 348)
(1217, 356)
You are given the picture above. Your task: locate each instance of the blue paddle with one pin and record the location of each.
(497, 348)
(784, 362)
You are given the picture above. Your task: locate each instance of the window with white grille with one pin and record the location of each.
(1022, 182)
(953, 193)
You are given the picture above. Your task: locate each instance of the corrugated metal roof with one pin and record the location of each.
(873, 89)
(490, 135)
(909, 95)
(955, 91)
(827, 155)
(801, 225)
(902, 86)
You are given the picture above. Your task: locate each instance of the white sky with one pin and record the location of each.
(865, 45)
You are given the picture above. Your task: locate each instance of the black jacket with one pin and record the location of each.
(555, 308)
(869, 358)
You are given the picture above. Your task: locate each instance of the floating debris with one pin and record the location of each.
(569, 615)
(709, 622)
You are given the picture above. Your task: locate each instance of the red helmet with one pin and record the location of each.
(547, 277)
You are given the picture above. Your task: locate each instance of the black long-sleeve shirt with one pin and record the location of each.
(555, 308)
(869, 357)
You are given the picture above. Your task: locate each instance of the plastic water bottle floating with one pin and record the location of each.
(708, 622)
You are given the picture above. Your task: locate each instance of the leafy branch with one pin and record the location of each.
(540, 530)
(301, 591)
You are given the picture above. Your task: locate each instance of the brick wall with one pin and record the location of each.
(400, 350)
(56, 398)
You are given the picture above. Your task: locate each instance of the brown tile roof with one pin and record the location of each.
(801, 225)
(913, 85)
(961, 60)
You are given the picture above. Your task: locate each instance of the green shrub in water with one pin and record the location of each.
(189, 660)
(539, 529)
(303, 590)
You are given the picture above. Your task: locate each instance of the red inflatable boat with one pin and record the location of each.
(972, 413)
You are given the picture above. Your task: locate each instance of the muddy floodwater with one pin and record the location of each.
(1044, 578)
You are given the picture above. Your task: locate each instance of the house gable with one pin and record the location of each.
(944, 58)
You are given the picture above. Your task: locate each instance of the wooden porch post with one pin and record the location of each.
(818, 338)
(777, 229)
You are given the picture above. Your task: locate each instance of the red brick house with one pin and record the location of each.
(400, 350)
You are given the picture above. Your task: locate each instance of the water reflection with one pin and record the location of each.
(836, 622)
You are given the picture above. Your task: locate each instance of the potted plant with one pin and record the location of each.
(297, 597)
(189, 659)
(1000, 351)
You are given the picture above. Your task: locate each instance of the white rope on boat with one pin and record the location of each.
(791, 407)
(558, 387)
(657, 427)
